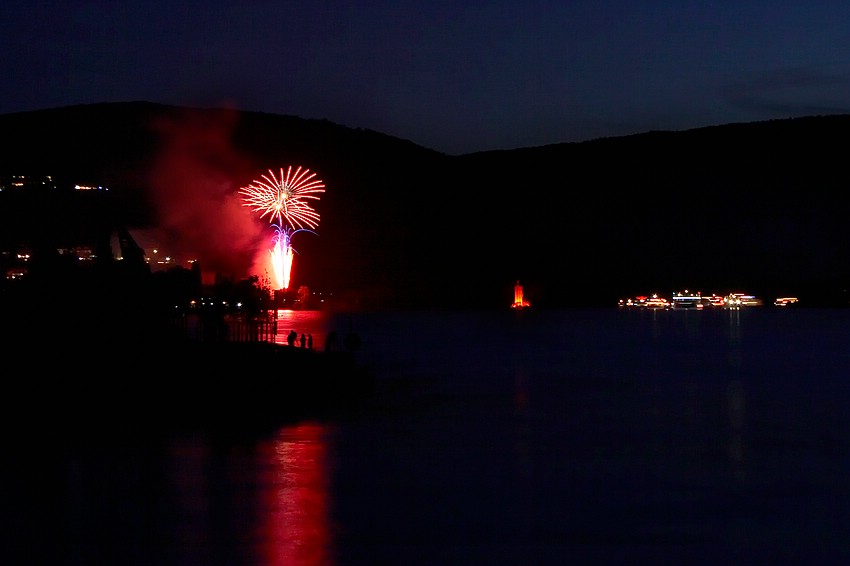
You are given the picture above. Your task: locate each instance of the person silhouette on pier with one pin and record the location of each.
(303, 340)
(290, 339)
(309, 341)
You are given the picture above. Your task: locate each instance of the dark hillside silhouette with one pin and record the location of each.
(750, 206)
(759, 207)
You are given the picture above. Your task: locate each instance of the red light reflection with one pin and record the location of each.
(298, 523)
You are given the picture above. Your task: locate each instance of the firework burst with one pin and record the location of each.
(285, 199)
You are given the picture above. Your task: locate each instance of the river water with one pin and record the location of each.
(596, 436)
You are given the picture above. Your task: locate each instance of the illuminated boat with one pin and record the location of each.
(636, 302)
(645, 302)
(656, 302)
(687, 300)
(739, 300)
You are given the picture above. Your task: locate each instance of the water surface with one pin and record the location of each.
(540, 437)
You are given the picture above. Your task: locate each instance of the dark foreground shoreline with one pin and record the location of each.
(151, 382)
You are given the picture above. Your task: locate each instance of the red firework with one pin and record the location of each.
(285, 198)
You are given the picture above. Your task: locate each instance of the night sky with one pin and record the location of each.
(457, 77)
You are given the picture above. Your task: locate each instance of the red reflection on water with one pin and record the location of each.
(298, 523)
(305, 322)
